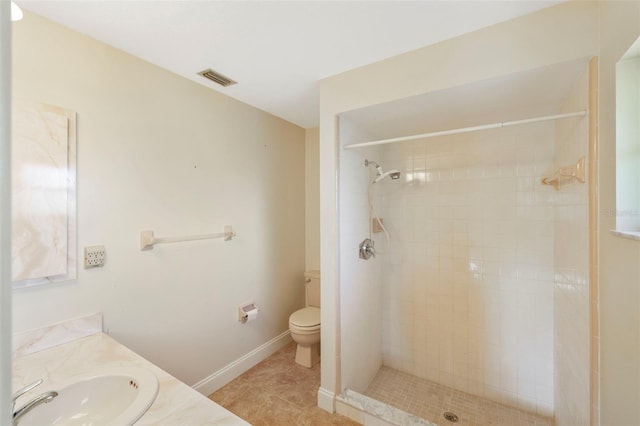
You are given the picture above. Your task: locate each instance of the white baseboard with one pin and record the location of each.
(210, 384)
(326, 400)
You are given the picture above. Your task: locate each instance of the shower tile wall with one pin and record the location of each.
(571, 296)
(468, 282)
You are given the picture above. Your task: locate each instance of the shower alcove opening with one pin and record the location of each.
(480, 303)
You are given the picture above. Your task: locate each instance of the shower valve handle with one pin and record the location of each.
(367, 249)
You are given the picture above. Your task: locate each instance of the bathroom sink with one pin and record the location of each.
(110, 397)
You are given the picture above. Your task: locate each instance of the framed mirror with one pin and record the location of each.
(43, 186)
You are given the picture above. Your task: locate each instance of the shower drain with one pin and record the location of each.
(452, 417)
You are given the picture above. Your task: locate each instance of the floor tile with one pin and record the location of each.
(278, 391)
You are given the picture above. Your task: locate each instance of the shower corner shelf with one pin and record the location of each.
(572, 172)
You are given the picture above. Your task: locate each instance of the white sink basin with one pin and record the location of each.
(111, 397)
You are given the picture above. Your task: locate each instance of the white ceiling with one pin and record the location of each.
(276, 50)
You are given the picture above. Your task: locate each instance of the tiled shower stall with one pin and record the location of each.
(484, 284)
(469, 282)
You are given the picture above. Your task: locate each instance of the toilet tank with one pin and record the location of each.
(312, 288)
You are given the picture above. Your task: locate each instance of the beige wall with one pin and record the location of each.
(619, 258)
(156, 151)
(312, 199)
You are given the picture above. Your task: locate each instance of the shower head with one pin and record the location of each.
(380, 174)
(394, 174)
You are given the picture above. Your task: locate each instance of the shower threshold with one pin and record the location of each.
(403, 399)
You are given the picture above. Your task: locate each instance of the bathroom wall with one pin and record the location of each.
(159, 152)
(361, 292)
(312, 199)
(501, 49)
(468, 281)
(571, 268)
(619, 258)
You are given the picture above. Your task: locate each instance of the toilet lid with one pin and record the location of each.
(306, 317)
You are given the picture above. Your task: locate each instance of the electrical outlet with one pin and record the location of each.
(94, 256)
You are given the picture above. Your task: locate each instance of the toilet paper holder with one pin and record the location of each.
(247, 312)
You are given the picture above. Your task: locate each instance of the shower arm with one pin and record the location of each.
(381, 174)
(368, 163)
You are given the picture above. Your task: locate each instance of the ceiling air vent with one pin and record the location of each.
(217, 77)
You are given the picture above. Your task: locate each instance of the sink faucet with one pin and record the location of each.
(40, 399)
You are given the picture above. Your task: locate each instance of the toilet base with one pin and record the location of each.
(308, 355)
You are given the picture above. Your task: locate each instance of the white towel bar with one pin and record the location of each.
(147, 239)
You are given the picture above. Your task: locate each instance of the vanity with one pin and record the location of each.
(79, 349)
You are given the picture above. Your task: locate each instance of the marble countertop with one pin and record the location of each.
(176, 403)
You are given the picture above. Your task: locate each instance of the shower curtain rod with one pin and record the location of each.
(581, 113)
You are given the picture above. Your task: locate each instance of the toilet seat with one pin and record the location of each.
(306, 319)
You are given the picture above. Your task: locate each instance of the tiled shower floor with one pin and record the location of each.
(430, 400)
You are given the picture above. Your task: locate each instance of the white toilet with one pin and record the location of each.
(304, 323)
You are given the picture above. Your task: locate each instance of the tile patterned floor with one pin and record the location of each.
(430, 400)
(278, 392)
